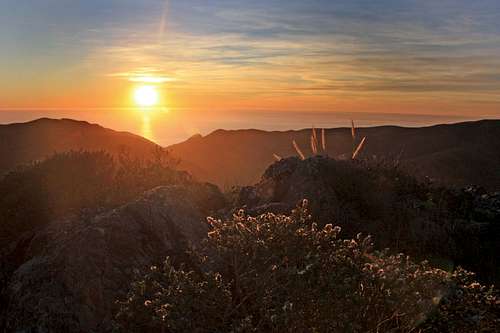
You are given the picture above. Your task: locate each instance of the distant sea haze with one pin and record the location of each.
(167, 127)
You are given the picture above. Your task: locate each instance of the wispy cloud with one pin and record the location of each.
(394, 49)
(145, 75)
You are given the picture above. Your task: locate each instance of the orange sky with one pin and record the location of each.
(345, 56)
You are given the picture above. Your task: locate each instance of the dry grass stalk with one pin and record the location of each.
(353, 131)
(314, 142)
(358, 150)
(277, 157)
(323, 140)
(297, 149)
(314, 148)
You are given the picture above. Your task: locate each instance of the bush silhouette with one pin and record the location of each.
(74, 182)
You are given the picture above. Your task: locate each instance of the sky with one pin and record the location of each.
(214, 57)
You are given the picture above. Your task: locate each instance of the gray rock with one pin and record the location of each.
(401, 212)
(75, 269)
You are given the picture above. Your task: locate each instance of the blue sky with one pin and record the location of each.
(427, 56)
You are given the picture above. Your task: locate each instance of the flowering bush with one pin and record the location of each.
(279, 273)
(195, 300)
(467, 307)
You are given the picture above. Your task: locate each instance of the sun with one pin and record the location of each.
(146, 96)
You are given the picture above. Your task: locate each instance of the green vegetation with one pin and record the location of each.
(76, 181)
(377, 197)
(275, 272)
(280, 273)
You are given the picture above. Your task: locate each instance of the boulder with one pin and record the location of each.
(74, 270)
(448, 226)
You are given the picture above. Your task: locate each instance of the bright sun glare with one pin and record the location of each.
(146, 96)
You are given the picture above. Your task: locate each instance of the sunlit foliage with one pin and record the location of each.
(279, 273)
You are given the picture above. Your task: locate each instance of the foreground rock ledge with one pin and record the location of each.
(76, 269)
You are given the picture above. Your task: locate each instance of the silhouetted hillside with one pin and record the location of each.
(458, 154)
(81, 234)
(24, 142)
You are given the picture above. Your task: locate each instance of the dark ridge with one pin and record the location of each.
(461, 154)
(40, 138)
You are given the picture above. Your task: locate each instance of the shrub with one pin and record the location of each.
(467, 307)
(76, 181)
(279, 273)
(197, 301)
(450, 227)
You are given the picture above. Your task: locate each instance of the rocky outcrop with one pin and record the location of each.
(74, 270)
(67, 275)
(450, 226)
(340, 192)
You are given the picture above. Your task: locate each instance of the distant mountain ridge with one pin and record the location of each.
(22, 143)
(455, 154)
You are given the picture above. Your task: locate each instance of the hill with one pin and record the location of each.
(456, 154)
(80, 272)
(83, 234)
(21, 143)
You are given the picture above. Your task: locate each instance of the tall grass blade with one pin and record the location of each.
(358, 150)
(277, 157)
(297, 149)
(323, 140)
(314, 149)
(353, 131)
(314, 142)
(314, 134)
